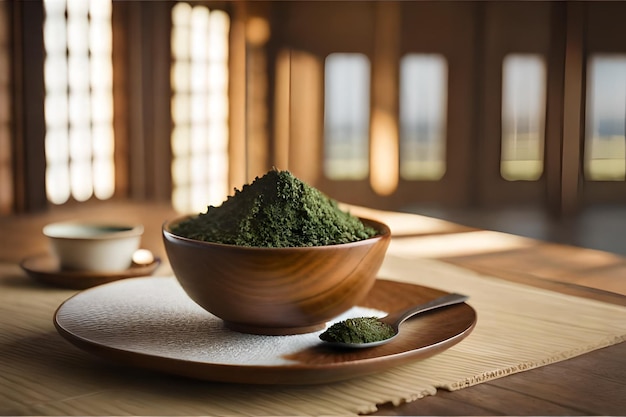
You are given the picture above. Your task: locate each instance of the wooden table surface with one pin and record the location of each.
(591, 384)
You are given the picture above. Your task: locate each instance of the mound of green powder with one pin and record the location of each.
(276, 210)
(358, 330)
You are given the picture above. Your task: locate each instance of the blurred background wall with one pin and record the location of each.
(444, 108)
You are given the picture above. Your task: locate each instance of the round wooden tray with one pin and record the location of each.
(151, 323)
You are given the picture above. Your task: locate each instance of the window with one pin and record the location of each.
(199, 80)
(605, 142)
(78, 100)
(423, 94)
(346, 116)
(523, 117)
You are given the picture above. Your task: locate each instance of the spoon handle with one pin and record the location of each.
(398, 318)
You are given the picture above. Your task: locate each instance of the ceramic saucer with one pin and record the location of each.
(45, 268)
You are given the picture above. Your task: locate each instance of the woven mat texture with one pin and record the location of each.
(519, 328)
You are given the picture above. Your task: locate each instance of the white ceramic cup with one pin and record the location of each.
(87, 246)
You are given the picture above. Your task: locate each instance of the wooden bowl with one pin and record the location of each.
(276, 291)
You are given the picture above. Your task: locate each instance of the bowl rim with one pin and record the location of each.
(382, 228)
(117, 230)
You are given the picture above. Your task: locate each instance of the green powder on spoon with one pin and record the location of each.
(358, 330)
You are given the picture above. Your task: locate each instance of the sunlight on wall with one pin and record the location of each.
(605, 142)
(523, 117)
(199, 80)
(384, 152)
(79, 101)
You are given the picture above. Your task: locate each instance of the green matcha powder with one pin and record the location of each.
(276, 210)
(358, 330)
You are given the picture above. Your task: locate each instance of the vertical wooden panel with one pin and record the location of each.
(136, 101)
(30, 160)
(282, 106)
(148, 54)
(237, 94)
(306, 115)
(259, 89)
(6, 132)
(554, 109)
(257, 129)
(573, 108)
(122, 112)
(159, 64)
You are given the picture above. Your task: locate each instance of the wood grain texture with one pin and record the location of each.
(276, 291)
(591, 384)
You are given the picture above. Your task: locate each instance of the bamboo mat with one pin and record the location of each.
(519, 328)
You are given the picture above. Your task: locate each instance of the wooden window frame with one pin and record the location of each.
(28, 104)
